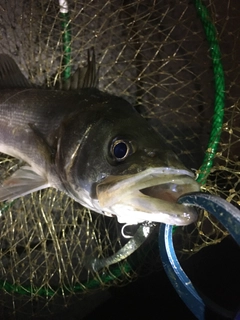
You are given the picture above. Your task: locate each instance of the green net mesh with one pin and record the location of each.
(157, 55)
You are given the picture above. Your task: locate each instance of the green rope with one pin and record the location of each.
(5, 206)
(219, 83)
(66, 39)
(114, 274)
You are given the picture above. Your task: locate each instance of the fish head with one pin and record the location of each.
(122, 167)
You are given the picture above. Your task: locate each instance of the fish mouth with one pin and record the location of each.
(150, 195)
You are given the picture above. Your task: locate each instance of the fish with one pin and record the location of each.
(92, 145)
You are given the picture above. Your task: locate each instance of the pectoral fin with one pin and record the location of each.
(21, 183)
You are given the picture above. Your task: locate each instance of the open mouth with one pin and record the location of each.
(166, 191)
(150, 195)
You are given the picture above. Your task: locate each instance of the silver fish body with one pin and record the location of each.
(91, 145)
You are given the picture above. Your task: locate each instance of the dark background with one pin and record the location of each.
(214, 270)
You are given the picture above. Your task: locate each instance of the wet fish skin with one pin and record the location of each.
(67, 138)
(46, 134)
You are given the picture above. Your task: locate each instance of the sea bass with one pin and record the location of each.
(92, 145)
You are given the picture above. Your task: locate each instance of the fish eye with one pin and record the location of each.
(120, 149)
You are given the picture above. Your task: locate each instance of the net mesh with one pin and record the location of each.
(156, 55)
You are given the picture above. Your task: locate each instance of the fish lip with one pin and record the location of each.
(123, 196)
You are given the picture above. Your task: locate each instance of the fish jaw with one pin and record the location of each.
(150, 195)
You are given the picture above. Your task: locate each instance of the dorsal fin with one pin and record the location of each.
(84, 77)
(10, 74)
